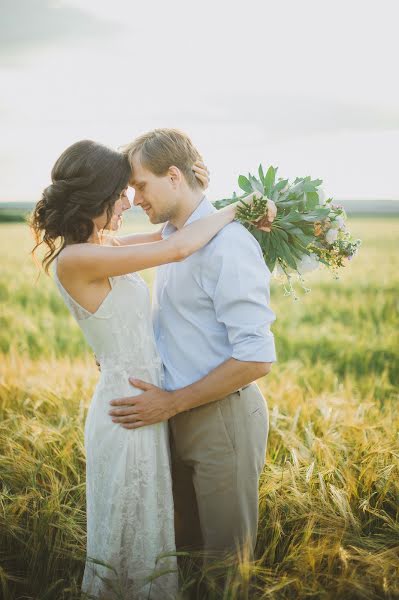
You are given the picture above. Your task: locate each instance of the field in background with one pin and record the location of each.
(330, 491)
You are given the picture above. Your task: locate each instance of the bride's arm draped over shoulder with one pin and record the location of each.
(98, 262)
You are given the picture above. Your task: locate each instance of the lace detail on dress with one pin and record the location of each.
(129, 501)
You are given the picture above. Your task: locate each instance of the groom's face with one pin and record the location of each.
(157, 195)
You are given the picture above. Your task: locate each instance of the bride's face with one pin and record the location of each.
(122, 204)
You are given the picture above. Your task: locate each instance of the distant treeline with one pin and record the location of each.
(13, 216)
(17, 212)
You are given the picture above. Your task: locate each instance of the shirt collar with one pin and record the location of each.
(204, 208)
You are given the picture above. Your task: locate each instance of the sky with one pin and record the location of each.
(308, 86)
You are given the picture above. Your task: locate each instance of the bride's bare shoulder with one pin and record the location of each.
(69, 255)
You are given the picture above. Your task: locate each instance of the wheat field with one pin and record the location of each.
(329, 496)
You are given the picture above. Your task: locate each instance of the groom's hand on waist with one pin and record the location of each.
(152, 406)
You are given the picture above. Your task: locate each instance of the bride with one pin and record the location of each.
(130, 522)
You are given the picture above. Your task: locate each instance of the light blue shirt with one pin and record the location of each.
(213, 306)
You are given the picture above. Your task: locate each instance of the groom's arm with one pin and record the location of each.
(156, 405)
(222, 381)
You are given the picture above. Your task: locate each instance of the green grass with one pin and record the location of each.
(329, 524)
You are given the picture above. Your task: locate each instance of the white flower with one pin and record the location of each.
(308, 263)
(322, 196)
(338, 223)
(331, 236)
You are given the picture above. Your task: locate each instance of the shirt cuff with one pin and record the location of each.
(256, 349)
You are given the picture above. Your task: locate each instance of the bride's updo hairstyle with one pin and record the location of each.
(87, 180)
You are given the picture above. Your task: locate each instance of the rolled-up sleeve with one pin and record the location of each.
(238, 281)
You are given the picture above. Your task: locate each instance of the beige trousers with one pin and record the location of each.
(218, 453)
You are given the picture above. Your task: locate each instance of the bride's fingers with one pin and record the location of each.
(200, 164)
(203, 180)
(200, 167)
(202, 176)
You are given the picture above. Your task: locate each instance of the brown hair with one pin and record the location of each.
(160, 149)
(87, 180)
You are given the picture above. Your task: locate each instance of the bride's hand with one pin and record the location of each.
(201, 172)
(263, 223)
(247, 200)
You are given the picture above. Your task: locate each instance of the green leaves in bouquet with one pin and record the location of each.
(302, 194)
(280, 185)
(261, 174)
(312, 200)
(301, 226)
(263, 185)
(245, 184)
(269, 180)
(298, 208)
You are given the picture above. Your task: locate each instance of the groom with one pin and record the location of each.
(212, 327)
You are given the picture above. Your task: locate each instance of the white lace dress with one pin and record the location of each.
(128, 479)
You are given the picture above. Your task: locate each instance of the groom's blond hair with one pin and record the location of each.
(160, 149)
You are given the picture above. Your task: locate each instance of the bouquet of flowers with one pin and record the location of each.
(297, 227)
